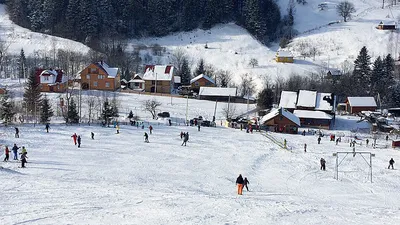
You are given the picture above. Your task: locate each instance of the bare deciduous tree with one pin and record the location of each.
(229, 112)
(345, 9)
(151, 106)
(224, 78)
(313, 52)
(246, 85)
(177, 59)
(253, 62)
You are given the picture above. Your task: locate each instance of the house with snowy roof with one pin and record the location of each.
(159, 78)
(281, 120)
(218, 94)
(284, 56)
(51, 80)
(201, 81)
(358, 104)
(136, 82)
(387, 25)
(100, 76)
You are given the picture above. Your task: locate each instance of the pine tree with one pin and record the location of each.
(32, 95)
(47, 112)
(200, 69)
(22, 64)
(72, 20)
(36, 14)
(395, 95)
(72, 114)
(185, 72)
(265, 98)
(362, 72)
(377, 75)
(107, 112)
(50, 17)
(114, 107)
(7, 111)
(89, 21)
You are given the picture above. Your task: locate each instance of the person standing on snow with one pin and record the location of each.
(322, 161)
(319, 140)
(16, 132)
(245, 183)
(74, 136)
(198, 127)
(79, 141)
(240, 183)
(146, 137)
(187, 135)
(47, 127)
(391, 162)
(182, 134)
(23, 159)
(92, 134)
(305, 147)
(117, 126)
(15, 151)
(185, 139)
(151, 129)
(7, 152)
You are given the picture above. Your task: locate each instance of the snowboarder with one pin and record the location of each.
(7, 152)
(367, 141)
(15, 151)
(16, 132)
(245, 183)
(79, 141)
(74, 136)
(23, 159)
(47, 127)
(322, 161)
(319, 140)
(92, 135)
(198, 127)
(185, 138)
(117, 126)
(182, 134)
(391, 162)
(146, 137)
(151, 129)
(305, 147)
(240, 182)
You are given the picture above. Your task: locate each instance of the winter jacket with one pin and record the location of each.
(391, 162)
(7, 151)
(23, 151)
(322, 161)
(240, 180)
(24, 157)
(15, 148)
(246, 181)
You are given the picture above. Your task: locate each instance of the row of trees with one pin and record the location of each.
(87, 20)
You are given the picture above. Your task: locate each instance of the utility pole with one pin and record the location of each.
(187, 108)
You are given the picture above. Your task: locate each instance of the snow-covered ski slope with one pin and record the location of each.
(119, 179)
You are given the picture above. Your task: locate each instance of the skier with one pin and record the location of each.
(117, 126)
(47, 127)
(305, 147)
(304, 133)
(169, 122)
(92, 135)
(185, 138)
(241, 127)
(240, 182)
(15, 151)
(146, 137)
(23, 152)
(387, 137)
(151, 129)
(182, 134)
(198, 127)
(322, 161)
(74, 136)
(319, 140)
(23, 159)
(284, 143)
(7, 152)
(337, 141)
(391, 162)
(79, 141)
(367, 141)
(16, 132)
(245, 182)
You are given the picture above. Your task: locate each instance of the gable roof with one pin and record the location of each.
(310, 114)
(307, 98)
(361, 101)
(158, 72)
(202, 76)
(58, 73)
(282, 53)
(111, 72)
(288, 99)
(322, 104)
(217, 91)
(276, 112)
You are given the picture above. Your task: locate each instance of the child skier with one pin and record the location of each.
(23, 159)
(146, 137)
(391, 162)
(74, 136)
(79, 141)
(245, 182)
(7, 152)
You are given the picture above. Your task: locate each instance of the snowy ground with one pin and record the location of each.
(117, 178)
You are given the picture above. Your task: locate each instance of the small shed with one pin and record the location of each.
(284, 56)
(281, 120)
(358, 104)
(395, 143)
(390, 25)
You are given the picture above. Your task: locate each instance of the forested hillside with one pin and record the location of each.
(87, 20)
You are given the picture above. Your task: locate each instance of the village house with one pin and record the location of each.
(358, 104)
(389, 25)
(137, 82)
(201, 81)
(51, 80)
(284, 56)
(159, 79)
(281, 120)
(218, 94)
(314, 119)
(100, 76)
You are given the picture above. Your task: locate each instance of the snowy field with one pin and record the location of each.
(119, 179)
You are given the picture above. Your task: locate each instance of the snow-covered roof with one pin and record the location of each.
(112, 72)
(136, 81)
(282, 53)
(177, 79)
(321, 104)
(158, 72)
(362, 101)
(312, 114)
(202, 76)
(307, 98)
(288, 99)
(275, 112)
(388, 22)
(123, 80)
(217, 91)
(48, 73)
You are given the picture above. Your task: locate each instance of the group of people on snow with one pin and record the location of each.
(14, 149)
(241, 183)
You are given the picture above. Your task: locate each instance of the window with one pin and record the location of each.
(100, 77)
(153, 82)
(93, 70)
(88, 76)
(107, 84)
(95, 83)
(196, 83)
(159, 82)
(46, 77)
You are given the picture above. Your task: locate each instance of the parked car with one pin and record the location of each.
(164, 115)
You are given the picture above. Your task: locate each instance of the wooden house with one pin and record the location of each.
(137, 83)
(358, 104)
(51, 80)
(100, 76)
(387, 26)
(201, 81)
(218, 94)
(284, 56)
(314, 119)
(281, 120)
(159, 78)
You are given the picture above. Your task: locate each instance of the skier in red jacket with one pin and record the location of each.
(74, 136)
